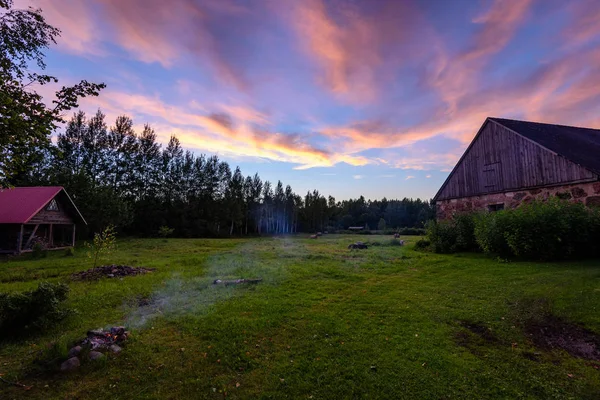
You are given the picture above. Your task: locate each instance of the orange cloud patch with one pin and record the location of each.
(239, 133)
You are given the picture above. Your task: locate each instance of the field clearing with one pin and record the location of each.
(325, 323)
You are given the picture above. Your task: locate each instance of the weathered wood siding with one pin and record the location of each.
(61, 216)
(500, 160)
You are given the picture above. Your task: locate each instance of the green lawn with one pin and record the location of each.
(326, 323)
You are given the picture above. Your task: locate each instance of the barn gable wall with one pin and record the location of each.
(499, 160)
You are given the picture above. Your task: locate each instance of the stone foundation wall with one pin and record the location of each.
(586, 193)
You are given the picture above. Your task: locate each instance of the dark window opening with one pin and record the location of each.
(52, 206)
(496, 207)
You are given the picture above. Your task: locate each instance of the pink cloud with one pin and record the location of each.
(79, 30)
(356, 47)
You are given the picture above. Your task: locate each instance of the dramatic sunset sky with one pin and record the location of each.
(350, 97)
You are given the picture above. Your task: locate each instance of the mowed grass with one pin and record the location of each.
(326, 323)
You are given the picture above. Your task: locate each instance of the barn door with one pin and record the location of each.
(492, 177)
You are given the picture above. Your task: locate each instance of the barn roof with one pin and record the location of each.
(579, 145)
(18, 205)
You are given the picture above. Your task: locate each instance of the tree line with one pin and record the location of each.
(126, 178)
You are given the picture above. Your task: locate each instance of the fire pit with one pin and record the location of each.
(101, 339)
(96, 341)
(109, 271)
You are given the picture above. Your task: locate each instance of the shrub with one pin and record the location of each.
(549, 230)
(490, 231)
(32, 311)
(422, 244)
(39, 249)
(104, 243)
(552, 230)
(165, 231)
(449, 236)
(381, 224)
(442, 236)
(69, 252)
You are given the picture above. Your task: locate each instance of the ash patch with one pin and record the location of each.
(480, 330)
(554, 333)
(109, 271)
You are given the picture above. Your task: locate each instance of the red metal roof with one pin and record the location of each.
(18, 205)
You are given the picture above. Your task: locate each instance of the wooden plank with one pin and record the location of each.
(74, 226)
(31, 236)
(51, 237)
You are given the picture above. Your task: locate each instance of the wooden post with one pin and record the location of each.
(20, 240)
(51, 238)
(73, 235)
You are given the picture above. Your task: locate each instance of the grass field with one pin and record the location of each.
(326, 323)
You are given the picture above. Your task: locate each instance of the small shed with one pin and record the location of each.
(29, 215)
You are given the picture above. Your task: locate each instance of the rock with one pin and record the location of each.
(95, 355)
(115, 349)
(96, 332)
(70, 365)
(593, 201)
(520, 196)
(74, 352)
(578, 192)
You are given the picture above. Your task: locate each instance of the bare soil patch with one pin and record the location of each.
(554, 333)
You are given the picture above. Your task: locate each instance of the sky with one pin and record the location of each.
(373, 97)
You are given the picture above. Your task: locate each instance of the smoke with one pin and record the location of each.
(181, 295)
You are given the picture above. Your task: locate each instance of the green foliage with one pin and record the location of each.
(489, 232)
(39, 249)
(381, 224)
(542, 230)
(164, 231)
(33, 311)
(442, 235)
(422, 244)
(412, 231)
(453, 235)
(550, 230)
(27, 120)
(104, 243)
(69, 252)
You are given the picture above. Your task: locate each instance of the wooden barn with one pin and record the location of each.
(510, 162)
(29, 215)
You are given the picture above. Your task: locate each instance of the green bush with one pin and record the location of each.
(449, 236)
(550, 230)
(442, 236)
(33, 311)
(39, 249)
(490, 231)
(422, 244)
